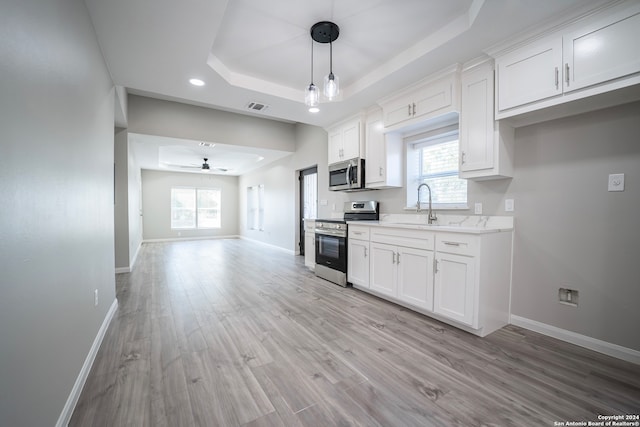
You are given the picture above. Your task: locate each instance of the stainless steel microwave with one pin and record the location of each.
(347, 175)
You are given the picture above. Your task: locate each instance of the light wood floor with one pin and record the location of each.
(232, 333)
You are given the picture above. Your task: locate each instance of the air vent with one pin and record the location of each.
(257, 106)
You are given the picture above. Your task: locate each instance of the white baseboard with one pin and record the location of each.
(133, 262)
(289, 251)
(72, 400)
(594, 344)
(181, 239)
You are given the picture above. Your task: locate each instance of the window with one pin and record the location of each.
(195, 208)
(433, 159)
(255, 207)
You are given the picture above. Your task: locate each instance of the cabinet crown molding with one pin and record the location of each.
(551, 28)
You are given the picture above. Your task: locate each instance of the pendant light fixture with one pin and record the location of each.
(311, 94)
(328, 32)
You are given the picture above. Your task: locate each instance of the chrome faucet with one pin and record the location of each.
(431, 217)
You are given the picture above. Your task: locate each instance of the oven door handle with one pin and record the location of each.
(336, 233)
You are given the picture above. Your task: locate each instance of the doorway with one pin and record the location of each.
(308, 199)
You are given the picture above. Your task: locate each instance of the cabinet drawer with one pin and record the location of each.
(358, 232)
(454, 243)
(418, 239)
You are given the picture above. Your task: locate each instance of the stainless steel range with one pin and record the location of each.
(331, 240)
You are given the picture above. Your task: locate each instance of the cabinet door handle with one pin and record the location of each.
(557, 81)
(414, 108)
(393, 257)
(365, 252)
(566, 69)
(409, 111)
(359, 233)
(435, 262)
(380, 171)
(398, 260)
(462, 161)
(452, 243)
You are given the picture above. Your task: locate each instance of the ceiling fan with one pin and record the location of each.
(205, 167)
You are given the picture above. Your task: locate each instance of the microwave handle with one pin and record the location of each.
(349, 174)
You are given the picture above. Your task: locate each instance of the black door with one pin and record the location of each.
(308, 199)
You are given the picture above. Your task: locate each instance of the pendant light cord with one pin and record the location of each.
(330, 57)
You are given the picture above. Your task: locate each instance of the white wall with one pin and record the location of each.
(57, 221)
(156, 203)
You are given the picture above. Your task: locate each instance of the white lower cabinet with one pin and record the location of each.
(383, 272)
(310, 244)
(455, 288)
(402, 272)
(358, 262)
(459, 278)
(415, 277)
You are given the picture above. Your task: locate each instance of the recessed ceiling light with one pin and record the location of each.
(196, 82)
(260, 158)
(314, 109)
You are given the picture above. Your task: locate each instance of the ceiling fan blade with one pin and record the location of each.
(172, 165)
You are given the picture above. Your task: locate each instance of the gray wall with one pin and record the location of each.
(282, 192)
(128, 187)
(571, 232)
(156, 203)
(56, 184)
(172, 119)
(134, 194)
(121, 221)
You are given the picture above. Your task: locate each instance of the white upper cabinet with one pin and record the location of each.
(428, 99)
(604, 50)
(346, 141)
(486, 146)
(530, 74)
(384, 166)
(595, 55)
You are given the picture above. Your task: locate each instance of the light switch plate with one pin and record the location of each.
(477, 209)
(509, 205)
(616, 182)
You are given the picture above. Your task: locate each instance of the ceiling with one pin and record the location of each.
(184, 155)
(260, 51)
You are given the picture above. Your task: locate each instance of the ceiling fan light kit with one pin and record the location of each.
(323, 32)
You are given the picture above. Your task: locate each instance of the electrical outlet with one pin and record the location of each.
(616, 182)
(568, 296)
(477, 209)
(95, 298)
(509, 205)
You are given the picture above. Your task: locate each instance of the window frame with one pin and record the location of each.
(196, 208)
(414, 177)
(255, 207)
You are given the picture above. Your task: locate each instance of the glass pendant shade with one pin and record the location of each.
(331, 86)
(311, 95)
